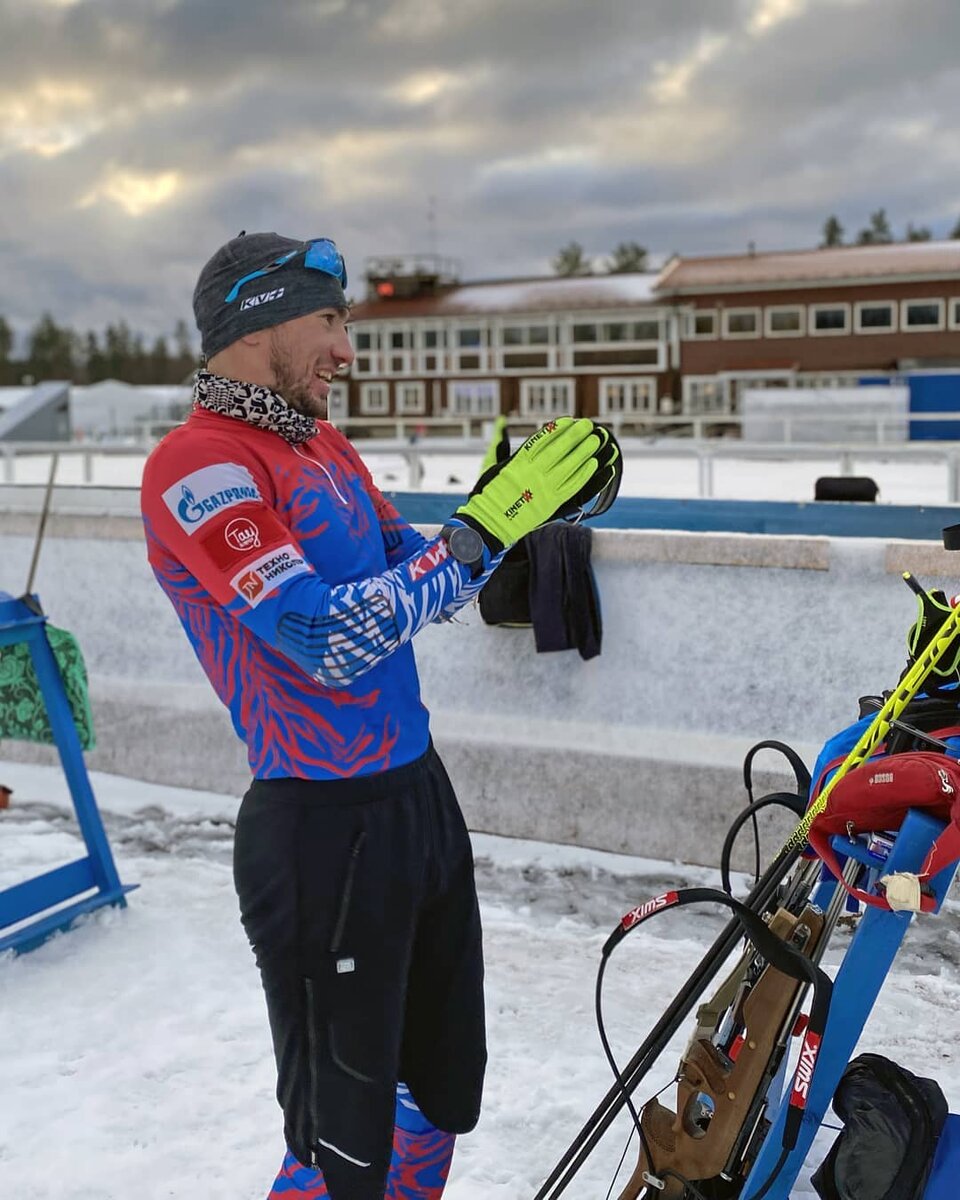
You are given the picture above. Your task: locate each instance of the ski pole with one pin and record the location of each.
(880, 726)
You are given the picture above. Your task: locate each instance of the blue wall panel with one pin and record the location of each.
(934, 394)
(732, 516)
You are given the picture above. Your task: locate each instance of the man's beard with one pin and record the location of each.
(294, 390)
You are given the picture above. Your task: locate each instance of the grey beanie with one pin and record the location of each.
(292, 290)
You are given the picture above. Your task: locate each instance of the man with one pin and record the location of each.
(300, 587)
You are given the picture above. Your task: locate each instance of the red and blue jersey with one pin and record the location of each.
(299, 587)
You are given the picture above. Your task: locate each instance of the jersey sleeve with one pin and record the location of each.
(214, 515)
(400, 539)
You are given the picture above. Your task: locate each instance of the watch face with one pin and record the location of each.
(466, 545)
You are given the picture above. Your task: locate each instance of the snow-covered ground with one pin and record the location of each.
(664, 474)
(135, 1053)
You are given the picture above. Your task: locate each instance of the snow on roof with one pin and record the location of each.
(551, 294)
(9, 396)
(834, 263)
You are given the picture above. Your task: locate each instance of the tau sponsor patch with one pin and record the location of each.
(199, 496)
(230, 540)
(431, 558)
(265, 574)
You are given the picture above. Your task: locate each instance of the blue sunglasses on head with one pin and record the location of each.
(320, 254)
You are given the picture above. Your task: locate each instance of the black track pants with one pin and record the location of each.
(358, 898)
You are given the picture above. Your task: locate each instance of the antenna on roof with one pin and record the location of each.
(432, 224)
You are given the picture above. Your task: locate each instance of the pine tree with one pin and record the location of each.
(51, 351)
(159, 362)
(6, 349)
(184, 361)
(832, 232)
(878, 232)
(918, 233)
(117, 350)
(627, 256)
(95, 368)
(570, 261)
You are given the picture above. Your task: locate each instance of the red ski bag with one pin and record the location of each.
(876, 797)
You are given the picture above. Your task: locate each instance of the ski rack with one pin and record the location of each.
(866, 963)
(22, 906)
(860, 978)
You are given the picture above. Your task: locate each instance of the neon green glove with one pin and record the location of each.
(499, 449)
(933, 608)
(560, 468)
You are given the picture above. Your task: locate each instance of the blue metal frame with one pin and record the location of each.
(862, 973)
(23, 621)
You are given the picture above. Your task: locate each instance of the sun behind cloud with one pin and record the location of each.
(134, 191)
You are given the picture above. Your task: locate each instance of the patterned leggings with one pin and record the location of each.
(419, 1164)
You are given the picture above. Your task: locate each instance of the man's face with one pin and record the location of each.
(305, 354)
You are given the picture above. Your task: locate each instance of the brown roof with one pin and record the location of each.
(550, 294)
(838, 265)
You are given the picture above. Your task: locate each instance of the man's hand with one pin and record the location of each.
(562, 467)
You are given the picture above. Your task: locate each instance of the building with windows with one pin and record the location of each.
(817, 317)
(627, 347)
(598, 345)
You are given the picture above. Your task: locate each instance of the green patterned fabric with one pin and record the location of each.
(23, 713)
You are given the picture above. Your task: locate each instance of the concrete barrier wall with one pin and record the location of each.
(711, 642)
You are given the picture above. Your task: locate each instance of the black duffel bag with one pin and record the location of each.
(892, 1120)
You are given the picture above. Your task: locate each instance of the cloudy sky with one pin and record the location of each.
(137, 135)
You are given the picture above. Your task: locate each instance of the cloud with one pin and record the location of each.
(137, 135)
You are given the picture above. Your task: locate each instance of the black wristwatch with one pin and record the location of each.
(465, 545)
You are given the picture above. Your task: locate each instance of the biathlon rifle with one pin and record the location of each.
(705, 1071)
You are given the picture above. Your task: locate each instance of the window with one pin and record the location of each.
(704, 394)
(473, 398)
(529, 347)
(826, 319)
(623, 397)
(374, 399)
(628, 356)
(702, 324)
(366, 339)
(875, 316)
(921, 314)
(470, 342)
(525, 360)
(618, 331)
(433, 341)
(784, 321)
(646, 331)
(411, 398)
(527, 335)
(546, 397)
(741, 322)
(337, 406)
(955, 314)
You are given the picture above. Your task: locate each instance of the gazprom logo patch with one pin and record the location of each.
(202, 494)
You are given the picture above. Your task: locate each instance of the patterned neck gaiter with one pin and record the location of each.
(254, 404)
